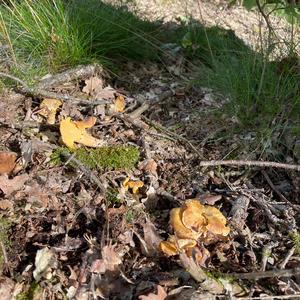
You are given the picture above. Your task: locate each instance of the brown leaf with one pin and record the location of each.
(48, 109)
(110, 261)
(161, 295)
(93, 85)
(118, 105)
(8, 186)
(6, 288)
(149, 165)
(7, 162)
(107, 93)
(5, 204)
(151, 238)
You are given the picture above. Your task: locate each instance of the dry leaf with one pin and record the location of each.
(151, 237)
(44, 262)
(7, 162)
(118, 105)
(75, 132)
(5, 204)
(8, 186)
(110, 261)
(132, 184)
(161, 295)
(149, 165)
(93, 85)
(48, 109)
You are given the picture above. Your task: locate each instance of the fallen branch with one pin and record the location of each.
(266, 274)
(249, 163)
(37, 92)
(69, 75)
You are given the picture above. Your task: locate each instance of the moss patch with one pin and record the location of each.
(4, 227)
(114, 157)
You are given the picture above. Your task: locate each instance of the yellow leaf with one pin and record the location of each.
(118, 105)
(74, 132)
(48, 109)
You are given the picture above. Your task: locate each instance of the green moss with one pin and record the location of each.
(295, 236)
(112, 196)
(110, 157)
(32, 293)
(4, 227)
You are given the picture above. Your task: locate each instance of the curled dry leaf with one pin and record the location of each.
(7, 162)
(75, 132)
(133, 184)
(161, 295)
(48, 109)
(192, 222)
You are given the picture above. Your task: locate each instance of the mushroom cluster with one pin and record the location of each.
(191, 223)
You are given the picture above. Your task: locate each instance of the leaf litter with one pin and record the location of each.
(156, 228)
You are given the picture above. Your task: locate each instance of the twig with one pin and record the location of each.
(273, 187)
(293, 296)
(249, 163)
(266, 274)
(4, 254)
(287, 258)
(85, 170)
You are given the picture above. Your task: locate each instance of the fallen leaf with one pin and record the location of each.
(133, 184)
(118, 105)
(7, 162)
(149, 165)
(151, 237)
(48, 109)
(161, 295)
(75, 132)
(5, 204)
(106, 93)
(6, 288)
(45, 260)
(8, 186)
(93, 85)
(110, 261)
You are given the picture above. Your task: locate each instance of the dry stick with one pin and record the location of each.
(69, 75)
(280, 297)
(249, 163)
(266, 274)
(36, 92)
(273, 187)
(287, 258)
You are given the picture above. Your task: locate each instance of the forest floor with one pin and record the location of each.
(88, 223)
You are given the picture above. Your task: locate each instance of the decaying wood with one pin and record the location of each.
(249, 163)
(239, 213)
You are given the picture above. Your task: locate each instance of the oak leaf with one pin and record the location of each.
(75, 132)
(48, 109)
(7, 162)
